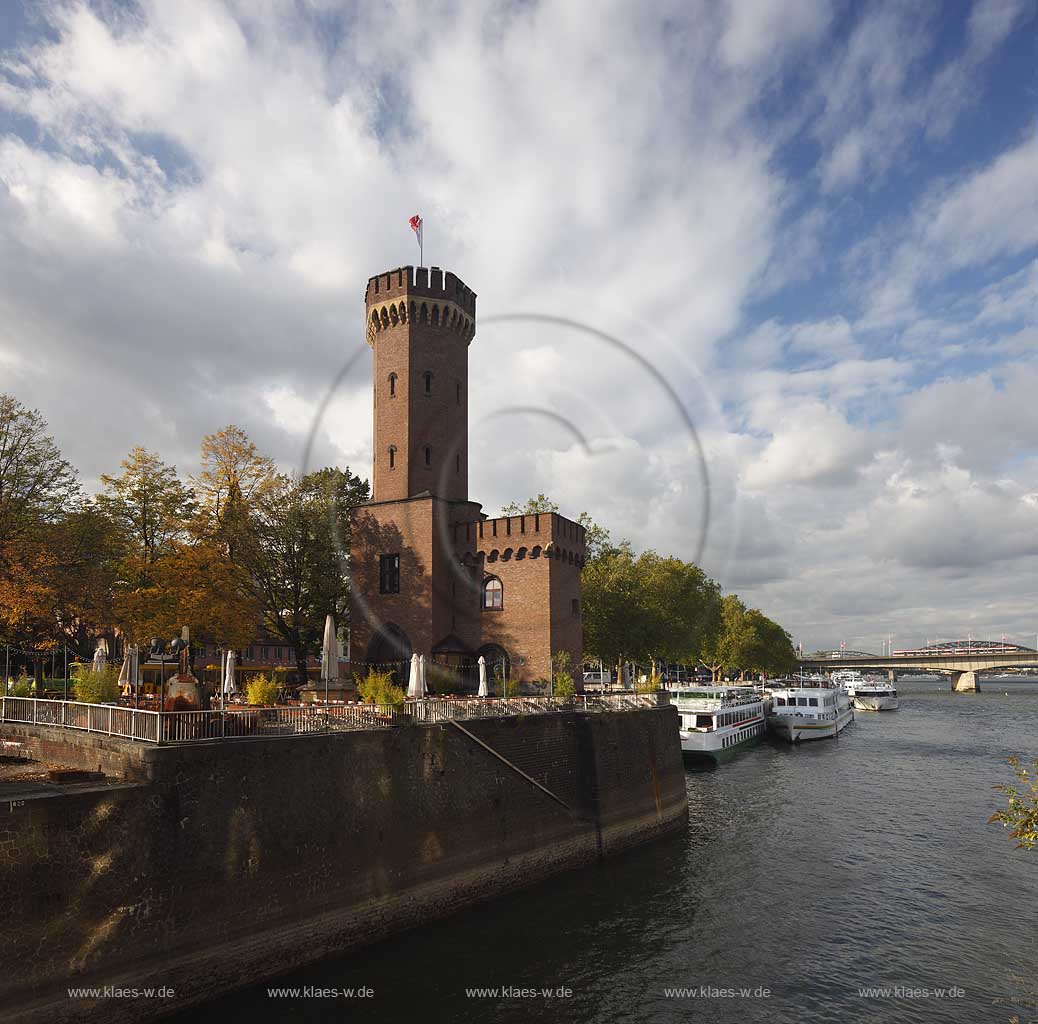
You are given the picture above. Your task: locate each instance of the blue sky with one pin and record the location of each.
(817, 220)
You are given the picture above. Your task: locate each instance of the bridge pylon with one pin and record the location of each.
(966, 682)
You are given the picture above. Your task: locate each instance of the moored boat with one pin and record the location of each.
(875, 695)
(717, 719)
(814, 712)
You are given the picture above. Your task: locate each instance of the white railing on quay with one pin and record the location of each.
(192, 726)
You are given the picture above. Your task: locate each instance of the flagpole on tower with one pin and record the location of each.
(416, 227)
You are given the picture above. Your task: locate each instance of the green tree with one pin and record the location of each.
(296, 551)
(616, 626)
(540, 504)
(682, 607)
(149, 504)
(596, 538)
(37, 485)
(728, 647)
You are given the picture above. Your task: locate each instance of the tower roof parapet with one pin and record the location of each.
(424, 282)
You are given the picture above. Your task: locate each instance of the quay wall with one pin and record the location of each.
(229, 862)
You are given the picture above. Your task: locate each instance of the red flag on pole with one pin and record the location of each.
(416, 227)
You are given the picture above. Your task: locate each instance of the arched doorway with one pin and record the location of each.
(497, 660)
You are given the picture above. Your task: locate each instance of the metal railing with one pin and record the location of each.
(237, 723)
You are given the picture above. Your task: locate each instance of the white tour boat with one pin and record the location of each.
(815, 712)
(848, 680)
(875, 695)
(717, 719)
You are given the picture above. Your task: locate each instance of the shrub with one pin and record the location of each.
(21, 688)
(563, 685)
(97, 687)
(652, 683)
(260, 690)
(379, 688)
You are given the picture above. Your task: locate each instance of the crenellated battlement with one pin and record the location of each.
(407, 295)
(530, 536)
(420, 282)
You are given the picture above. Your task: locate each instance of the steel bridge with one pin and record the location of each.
(962, 660)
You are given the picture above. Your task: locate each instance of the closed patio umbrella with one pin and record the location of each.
(483, 691)
(229, 689)
(330, 656)
(421, 675)
(99, 659)
(413, 680)
(126, 672)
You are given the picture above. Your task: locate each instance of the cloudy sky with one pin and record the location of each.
(809, 230)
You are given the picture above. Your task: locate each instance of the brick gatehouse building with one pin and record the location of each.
(431, 574)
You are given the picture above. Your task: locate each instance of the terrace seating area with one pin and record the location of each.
(237, 722)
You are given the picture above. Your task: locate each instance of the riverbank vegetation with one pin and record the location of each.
(1020, 815)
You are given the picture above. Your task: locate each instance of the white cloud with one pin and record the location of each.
(188, 223)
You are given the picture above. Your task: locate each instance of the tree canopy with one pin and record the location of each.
(239, 548)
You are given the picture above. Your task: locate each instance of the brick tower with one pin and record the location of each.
(429, 572)
(420, 326)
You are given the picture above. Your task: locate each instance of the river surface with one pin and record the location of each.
(805, 875)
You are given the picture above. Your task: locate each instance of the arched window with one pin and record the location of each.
(536, 552)
(392, 385)
(428, 455)
(457, 387)
(493, 593)
(428, 382)
(392, 456)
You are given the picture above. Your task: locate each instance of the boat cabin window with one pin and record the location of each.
(781, 701)
(813, 701)
(802, 701)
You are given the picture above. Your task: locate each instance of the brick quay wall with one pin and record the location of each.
(216, 865)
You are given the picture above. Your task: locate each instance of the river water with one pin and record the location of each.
(806, 875)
